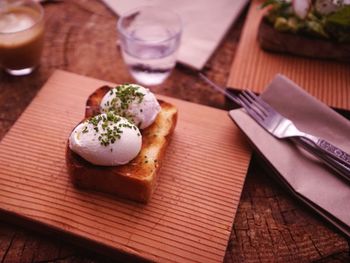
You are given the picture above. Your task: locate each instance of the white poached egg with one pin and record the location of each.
(133, 102)
(106, 139)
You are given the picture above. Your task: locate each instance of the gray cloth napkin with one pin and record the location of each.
(205, 22)
(308, 178)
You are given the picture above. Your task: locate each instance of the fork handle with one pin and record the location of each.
(332, 163)
(334, 151)
(328, 149)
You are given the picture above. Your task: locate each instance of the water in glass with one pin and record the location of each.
(149, 42)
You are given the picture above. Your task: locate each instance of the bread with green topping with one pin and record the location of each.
(137, 179)
(316, 29)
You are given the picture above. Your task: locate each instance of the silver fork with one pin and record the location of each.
(281, 127)
(336, 166)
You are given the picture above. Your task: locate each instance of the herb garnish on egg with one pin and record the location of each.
(106, 139)
(126, 93)
(133, 102)
(110, 133)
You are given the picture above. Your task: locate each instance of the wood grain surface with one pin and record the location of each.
(254, 68)
(190, 215)
(270, 226)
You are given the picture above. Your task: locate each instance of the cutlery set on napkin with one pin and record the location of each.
(304, 142)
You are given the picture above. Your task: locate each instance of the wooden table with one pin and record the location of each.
(269, 225)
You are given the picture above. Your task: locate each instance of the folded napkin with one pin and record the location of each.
(205, 23)
(307, 177)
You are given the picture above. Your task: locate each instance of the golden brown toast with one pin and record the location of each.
(137, 179)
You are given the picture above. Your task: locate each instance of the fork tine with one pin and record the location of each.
(256, 101)
(251, 111)
(254, 105)
(260, 101)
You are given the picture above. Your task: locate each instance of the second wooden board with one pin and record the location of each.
(254, 68)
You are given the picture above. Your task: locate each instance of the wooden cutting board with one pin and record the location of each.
(190, 216)
(253, 68)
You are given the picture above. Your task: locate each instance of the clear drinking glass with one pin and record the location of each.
(149, 38)
(21, 35)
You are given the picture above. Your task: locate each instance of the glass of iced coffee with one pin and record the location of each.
(21, 36)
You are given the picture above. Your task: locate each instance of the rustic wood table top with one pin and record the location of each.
(269, 226)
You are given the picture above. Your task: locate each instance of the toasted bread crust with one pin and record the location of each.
(93, 102)
(275, 41)
(137, 179)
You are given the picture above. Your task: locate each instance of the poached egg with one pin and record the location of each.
(106, 139)
(134, 102)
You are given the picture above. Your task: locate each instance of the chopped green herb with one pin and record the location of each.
(85, 130)
(124, 95)
(111, 130)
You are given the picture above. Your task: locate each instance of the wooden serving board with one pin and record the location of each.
(190, 216)
(253, 68)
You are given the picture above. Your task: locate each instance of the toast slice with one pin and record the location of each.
(296, 44)
(137, 179)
